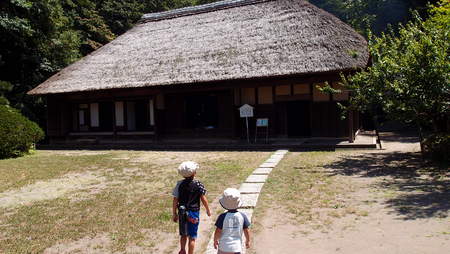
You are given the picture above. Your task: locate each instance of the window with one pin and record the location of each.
(265, 95)
(83, 121)
(248, 95)
(301, 89)
(283, 90)
(120, 122)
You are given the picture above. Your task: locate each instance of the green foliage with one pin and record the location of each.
(17, 133)
(85, 18)
(36, 41)
(4, 87)
(441, 15)
(410, 75)
(328, 89)
(121, 15)
(372, 15)
(436, 146)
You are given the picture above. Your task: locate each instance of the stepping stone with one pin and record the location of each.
(249, 200)
(281, 152)
(276, 156)
(273, 160)
(262, 171)
(247, 188)
(256, 179)
(248, 212)
(251, 188)
(268, 165)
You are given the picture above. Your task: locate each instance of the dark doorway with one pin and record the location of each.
(202, 112)
(298, 118)
(142, 119)
(137, 115)
(106, 116)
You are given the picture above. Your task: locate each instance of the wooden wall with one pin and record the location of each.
(269, 96)
(326, 120)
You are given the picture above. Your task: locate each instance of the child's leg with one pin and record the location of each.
(191, 245)
(183, 240)
(192, 228)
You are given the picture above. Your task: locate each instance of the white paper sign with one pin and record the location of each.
(246, 111)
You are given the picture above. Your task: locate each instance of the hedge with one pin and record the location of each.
(17, 133)
(437, 147)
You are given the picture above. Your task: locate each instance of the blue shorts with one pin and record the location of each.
(190, 229)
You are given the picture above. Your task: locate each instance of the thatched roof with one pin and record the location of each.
(228, 40)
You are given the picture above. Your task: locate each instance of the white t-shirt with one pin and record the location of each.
(232, 224)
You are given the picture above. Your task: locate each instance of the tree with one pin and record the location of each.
(410, 74)
(373, 15)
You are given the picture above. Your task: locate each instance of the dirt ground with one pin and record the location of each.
(404, 208)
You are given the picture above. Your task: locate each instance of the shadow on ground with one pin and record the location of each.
(422, 189)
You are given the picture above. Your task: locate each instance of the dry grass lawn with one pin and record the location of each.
(102, 201)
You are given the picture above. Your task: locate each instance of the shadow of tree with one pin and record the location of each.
(423, 188)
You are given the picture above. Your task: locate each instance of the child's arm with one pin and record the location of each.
(247, 237)
(174, 209)
(205, 203)
(217, 235)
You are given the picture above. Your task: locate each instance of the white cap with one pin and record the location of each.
(187, 168)
(231, 199)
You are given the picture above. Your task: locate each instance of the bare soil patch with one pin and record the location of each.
(95, 245)
(52, 189)
(77, 153)
(384, 201)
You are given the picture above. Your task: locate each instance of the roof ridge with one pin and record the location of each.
(193, 10)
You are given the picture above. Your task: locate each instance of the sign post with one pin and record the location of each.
(262, 123)
(246, 111)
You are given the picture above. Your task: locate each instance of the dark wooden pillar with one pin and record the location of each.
(114, 120)
(351, 131)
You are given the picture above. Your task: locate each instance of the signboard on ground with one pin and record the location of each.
(246, 111)
(262, 122)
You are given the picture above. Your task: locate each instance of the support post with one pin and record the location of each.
(114, 121)
(351, 133)
(248, 133)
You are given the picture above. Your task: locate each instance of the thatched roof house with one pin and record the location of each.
(230, 45)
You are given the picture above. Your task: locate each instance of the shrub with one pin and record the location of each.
(437, 147)
(17, 133)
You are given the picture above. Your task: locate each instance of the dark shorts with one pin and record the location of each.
(187, 228)
(221, 252)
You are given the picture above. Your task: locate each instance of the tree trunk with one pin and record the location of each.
(419, 129)
(377, 133)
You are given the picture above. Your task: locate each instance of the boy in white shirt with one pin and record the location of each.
(231, 225)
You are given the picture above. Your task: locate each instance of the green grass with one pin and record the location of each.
(128, 204)
(303, 189)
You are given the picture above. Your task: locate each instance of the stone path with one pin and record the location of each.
(250, 190)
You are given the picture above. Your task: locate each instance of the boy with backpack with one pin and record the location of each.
(231, 225)
(187, 195)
